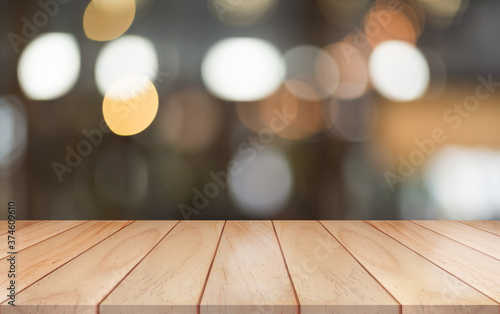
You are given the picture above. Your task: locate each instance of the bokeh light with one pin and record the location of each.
(242, 13)
(353, 69)
(49, 66)
(285, 115)
(189, 120)
(13, 134)
(464, 182)
(329, 96)
(412, 9)
(248, 114)
(399, 71)
(394, 20)
(293, 118)
(127, 55)
(242, 69)
(311, 73)
(132, 112)
(264, 184)
(443, 13)
(104, 20)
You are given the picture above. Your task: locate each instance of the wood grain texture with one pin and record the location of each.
(42, 258)
(170, 279)
(4, 226)
(477, 269)
(38, 232)
(256, 267)
(81, 284)
(419, 285)
(475, 238)
(248, 273)
(492, 226)
(326, 277)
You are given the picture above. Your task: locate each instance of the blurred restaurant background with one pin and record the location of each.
(250, 109)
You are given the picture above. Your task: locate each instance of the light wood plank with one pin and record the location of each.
(473, 237)
(4, 226)
(42, 258)
(171, 278)
(419, 285)
(492, 226)
(38, 232)
(477, 269)
(248, 273)
(326, 277)
(82, 283)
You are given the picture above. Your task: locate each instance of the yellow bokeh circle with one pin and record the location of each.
(105, 20)
(130, 105)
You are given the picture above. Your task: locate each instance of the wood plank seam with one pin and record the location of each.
(170, 279)
(287, 270)
(50, 272)
(215, 251)
(400, 306)
(248, 274)
(198, 304)
(474, 226)
(419, 285)
(435, 231)
(83, 221)
(94, 273)
(38, 221)
(465, 282)
(125, 276)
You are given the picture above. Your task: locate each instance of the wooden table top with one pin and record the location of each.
(254, 267)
